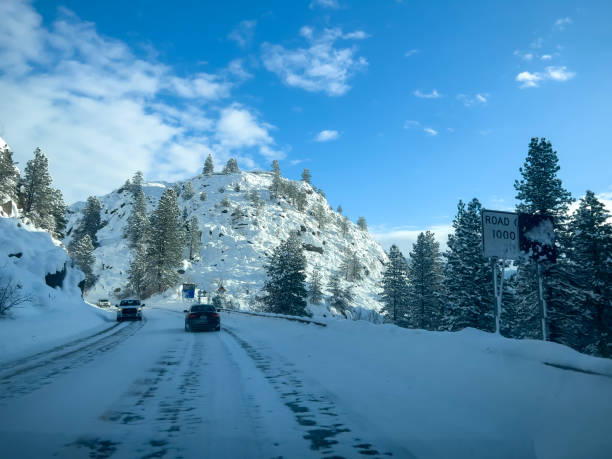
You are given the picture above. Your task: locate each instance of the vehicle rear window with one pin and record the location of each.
(202, 308)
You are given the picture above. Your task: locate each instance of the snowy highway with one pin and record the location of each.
(265, 387)
(149, 389)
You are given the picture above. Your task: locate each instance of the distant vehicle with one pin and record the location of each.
(202, 317)
(104, 303)
(129, 310)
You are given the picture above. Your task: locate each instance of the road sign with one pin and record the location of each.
(500, 234)
(537, 237)
(189, 290)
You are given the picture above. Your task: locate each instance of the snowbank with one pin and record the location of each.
(48, 315)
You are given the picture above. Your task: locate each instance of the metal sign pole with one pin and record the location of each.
(498, 290)
(542, 301)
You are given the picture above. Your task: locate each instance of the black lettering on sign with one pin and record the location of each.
(499, 234)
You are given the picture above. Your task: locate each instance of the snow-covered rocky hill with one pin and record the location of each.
(237, 238)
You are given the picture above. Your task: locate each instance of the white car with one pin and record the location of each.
(129, 310)
(104, 303)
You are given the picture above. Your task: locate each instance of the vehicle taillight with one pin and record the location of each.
(214, 314)
(193, 315)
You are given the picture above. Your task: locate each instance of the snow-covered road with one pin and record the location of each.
(264, 387)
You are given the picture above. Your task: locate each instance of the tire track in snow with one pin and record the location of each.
(325, 428)
(47, 366)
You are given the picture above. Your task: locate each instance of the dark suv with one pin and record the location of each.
(129, 310)
(202, 317)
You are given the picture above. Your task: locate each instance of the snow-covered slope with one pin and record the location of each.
(27, 256)
(235, 249)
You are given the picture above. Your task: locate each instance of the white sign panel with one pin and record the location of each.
(500, 234)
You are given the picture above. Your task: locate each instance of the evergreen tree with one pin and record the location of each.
(276, 168)
(81, 252)
(194, 238)
(469, 292)
(361, 223)
(352, 267)
(339, 209)
(165, 250)
(136, 186)
(306, 175)
(425, 283)
(91, 221)
(58, 213)
(315, 292)
(277, 181)
(209, 167)
(341, 298)
(285, 284)
(39, 200)
(395, 287)
(138, 222)
(231, 167)
(540, 191)
(138, 273)
(343, 224)
(320, 215)
(9, 174)
(188, 191)
(591, 273)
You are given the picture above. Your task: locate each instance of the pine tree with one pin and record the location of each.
(540, 191)
(361, 223)
(91, 221)
(277, 181)
(138, 273)
(81, 252)
(136, 185)
(306, 175)
(425, 283)
(343, 224)
(276, 167)
(9, 174)
(339, 209)
(591, 273)
(138, 222)
(352, 267)
(315, 292)
(58, 213)
(395, 287)
(285, 284)
(194, 238)
(469, 292)
(209, 167)
(341, 298)
(320, 215)
(39, 201)
(165, 250)
(188, 191)
(231, 167)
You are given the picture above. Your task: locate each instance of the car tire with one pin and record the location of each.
(118, 319)
(218, 328)
(140, 318)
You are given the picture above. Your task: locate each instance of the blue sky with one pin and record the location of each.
(398, 108)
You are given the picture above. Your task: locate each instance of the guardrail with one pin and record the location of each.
(275, 316)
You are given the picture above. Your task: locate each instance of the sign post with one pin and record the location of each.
(500, 242)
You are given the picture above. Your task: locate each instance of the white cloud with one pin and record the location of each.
(546, 57)
(562, 22)
(329, 4)
(243, 33)
(411, 52)
(326, 135)
(411, 124)
(321, 67)
(405, 237)
(477, 99)
(423, 95)
(532, 80)
(100, 112)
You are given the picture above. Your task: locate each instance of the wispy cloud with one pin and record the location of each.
(322, 66)
(243, 33)
(327, 4)
(533, 80)
(96, 102)
(411, 52)
(561, 23)
(427, 95)
(546, 57)
(326, 135)
(477, 99)
(411, 124)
